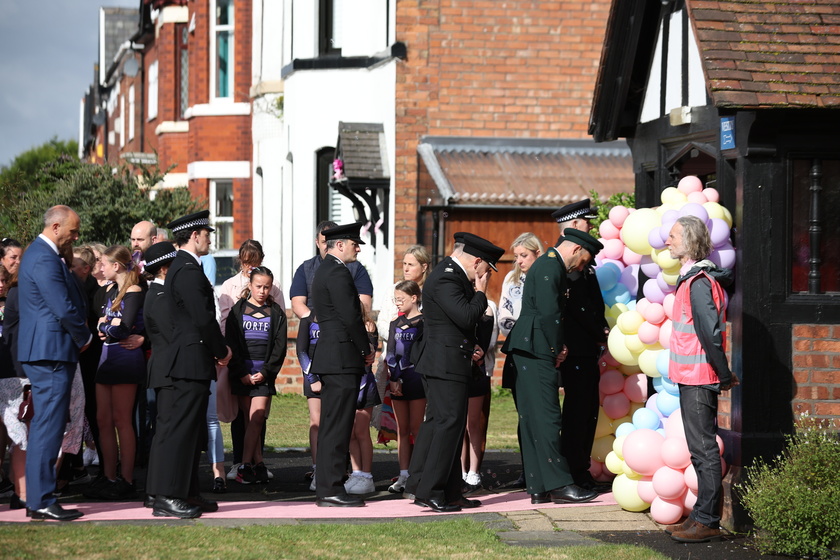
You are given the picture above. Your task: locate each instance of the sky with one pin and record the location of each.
(47, 52)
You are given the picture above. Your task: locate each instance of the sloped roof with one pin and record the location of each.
(772, 53)
(517, 172)
(362, 148)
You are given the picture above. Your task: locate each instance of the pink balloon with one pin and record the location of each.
(618, 214)
(666, 512)
(690, 184)
(723, 467)
(648, 332)
(712, 195)
(641, 305)
(595, 468)
(718, 231)
(665, 333)
(652, 291)
(668, 483)
(654, 313)
(697, 198)
(690, 477)
(608, 230)
(636, 388)
(674, 425)
(616, 406)
(688, 501)
(608, 359)
(668, 305)
(720, 444)
(612, 382)
(675, 453)
(631, 258)
(613, 249)
(655, 237)
(642, 451)
(645, 489)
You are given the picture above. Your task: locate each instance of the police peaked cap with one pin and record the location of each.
(346, 231)
(583, 239)
(480, 247)
(199, 220)
(580, 209)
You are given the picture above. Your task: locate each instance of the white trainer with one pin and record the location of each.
(359, 485)
(399, 485)
(312, 485)
(234, 470)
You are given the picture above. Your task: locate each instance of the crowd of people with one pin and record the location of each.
(129, 350)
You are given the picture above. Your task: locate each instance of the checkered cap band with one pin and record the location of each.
(203, 222)
(574, 214)
(171, 255)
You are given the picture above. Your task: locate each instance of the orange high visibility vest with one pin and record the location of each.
(689, 364)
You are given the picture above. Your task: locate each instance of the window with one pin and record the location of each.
(221, 192)
(131, 112)
(153, 90)
(221, 49)
(122, 121)
(182, 70)
(815, 226)
(329, 27)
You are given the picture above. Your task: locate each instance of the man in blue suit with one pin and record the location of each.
(52, 333)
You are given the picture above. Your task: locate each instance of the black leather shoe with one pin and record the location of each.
(206, 506)
(466, 503)
(572, 494)
(16, 503)
(342, 500)
(149, 501)
(435, 505)
(174, 507)
(53, 512)
(541, 498)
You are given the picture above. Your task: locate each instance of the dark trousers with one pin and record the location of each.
(540, 422)
(581, 376)
(435, 468)
(339, 394)
(51, 383)
(180, 436)
(237, 436)
(699, 406)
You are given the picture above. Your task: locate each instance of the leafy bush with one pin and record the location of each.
(618, 199)
(795, 499)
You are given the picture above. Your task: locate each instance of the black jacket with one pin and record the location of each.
(275, 353)
(583, 320)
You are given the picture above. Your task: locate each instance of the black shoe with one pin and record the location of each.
(572, 494)
(119, 490)
(470, 489)
(15, 502)
(149, 501)
(219, 486)
(438, 506)
(174, 507)
(245, 474)
(53, 512)
(206, 506)
(598, 487)
(518, 483)
(541, 498)
(342, 500)
(79, 476)
(466, 503)
(7, 487)
(261, 473)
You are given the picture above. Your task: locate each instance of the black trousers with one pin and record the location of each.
(339, 393)
(581, 376)
(180, 436)
(699, 405)
(435, 469)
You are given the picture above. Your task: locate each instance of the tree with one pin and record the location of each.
(618, 199)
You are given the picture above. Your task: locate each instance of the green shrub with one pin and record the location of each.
(795, 499)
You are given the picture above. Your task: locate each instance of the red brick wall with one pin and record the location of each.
(816, 370)
(520, 69)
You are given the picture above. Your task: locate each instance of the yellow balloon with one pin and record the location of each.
(636, 228)
(610, 321)
(630, 321)
(630, 473)
(668, 194)
(601, 447)
(647, 361)
(670, 279)
(602, 427)
(618, 350)
(727, 216)
(619, 421)
(626, 494)
(619, 441)
(629, 370)
(714, 210)
(613, 463)
(634, 344)
(663, 258)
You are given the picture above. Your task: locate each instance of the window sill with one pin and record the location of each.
(218, 108)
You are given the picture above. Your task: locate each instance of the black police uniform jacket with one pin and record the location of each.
(451, 311)
(158, 322)
(583, 320)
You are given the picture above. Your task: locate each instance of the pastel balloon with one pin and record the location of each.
(608, 275)
(674, 425)
(669, 217)
(670, 279)
(669, 194)
(720, 444)
(617, 405)
(621, 293)
(718, 231)
(626, 494)
(675, 453)
(618, 264)
(670, 386)
(608, 230)
(655, 239)
(689, 500)
(613, 249)
(611, 382)
(651, 405)
(690, 184)
(636, 389)
(635, 345)
(617, 443)
(690, 478)
(629, 370)
(654, 313)
(648, 333)
(652, 291)
(697, 210)
(663, 284)
(601, 447)
(619, 421)
(645, 489)
(715, 210)
(630, 472)
(631, 258)
(723, 256)
(630, 276)
(634, 233)
(618, 214)
(624, 429)
(643, 451)
(668, 305)
(712, 195)
(663, 359)
(697, 198)
(630, 321)
(669, 483)
(727, 216)
(667, 403)
(665, 337)
(646, 419)
(665, 511)
(602, 426)
(614, 464)
(647, 361)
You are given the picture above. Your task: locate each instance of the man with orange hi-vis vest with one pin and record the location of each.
(698, 365)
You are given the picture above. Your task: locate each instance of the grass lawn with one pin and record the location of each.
(459, 539)
(288, 423)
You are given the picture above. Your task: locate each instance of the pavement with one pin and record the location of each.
(508, 512)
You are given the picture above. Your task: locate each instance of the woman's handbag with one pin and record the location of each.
(26, 411)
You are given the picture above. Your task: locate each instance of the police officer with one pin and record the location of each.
(453, 302)
(586, 332)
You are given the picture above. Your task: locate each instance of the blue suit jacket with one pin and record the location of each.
(52, 308)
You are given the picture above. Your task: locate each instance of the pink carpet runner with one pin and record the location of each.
(389, 509)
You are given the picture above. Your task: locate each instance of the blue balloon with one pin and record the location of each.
(662, 360)
(645, 418)
(670, 386)
(624, 429)
(667, 403)
(608, 275)
(622, 293)
(657, 384)
(661, 431)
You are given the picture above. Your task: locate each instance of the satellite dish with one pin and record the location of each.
(130, 68)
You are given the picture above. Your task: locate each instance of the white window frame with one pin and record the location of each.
(131, 112)
(153, 90)
(122, 121)
(215, 218)
(214, 32)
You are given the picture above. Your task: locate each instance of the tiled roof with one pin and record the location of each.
(513, 172)
(362, 147)
(771, 53)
